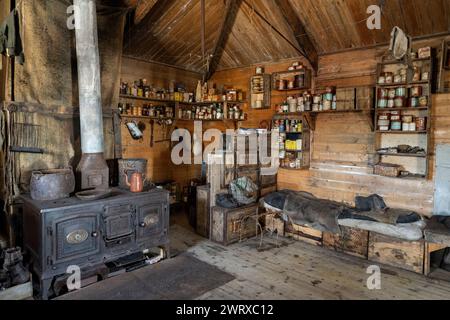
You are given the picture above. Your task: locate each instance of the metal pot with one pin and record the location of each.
(52, 184)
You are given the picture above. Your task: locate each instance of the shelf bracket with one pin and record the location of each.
(310, 120)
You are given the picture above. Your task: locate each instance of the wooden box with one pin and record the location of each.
(387, 169)
(231, 225)
(266, 190)
(303, 233)
(267, 181)
(274, 224)
(364, 98)
(345, 98)
(203, 214)
(351, 241)
(408, 255)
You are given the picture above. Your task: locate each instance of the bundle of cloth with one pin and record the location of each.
(370, 213)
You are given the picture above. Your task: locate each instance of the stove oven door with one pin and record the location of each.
(151, 220)
(118, 223)
(76, 237)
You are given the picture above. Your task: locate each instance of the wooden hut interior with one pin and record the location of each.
(225, 150)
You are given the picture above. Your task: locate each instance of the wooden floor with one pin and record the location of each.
(297, 270)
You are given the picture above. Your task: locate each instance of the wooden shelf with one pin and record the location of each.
(401, 109)
(146, 99)
(412, 155)
(293, 89)
(145, 117)
(207, 120)
(388, 85)
(337, 111)
(402, 132)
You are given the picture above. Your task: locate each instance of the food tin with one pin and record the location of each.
(425, 76)
(383, 93)
(389, 77)
(399, 102)
(414, 102)
(421, 123)
(416, 91)
(396, 125)
(412, 126)
(381, 80)
(405, 126)
(392, 93)
(400, 92)
(383, 128)
(390, 103)
(382, 103)
(397, 78)
(382, 123)
(423, 101)
(407, 118)
(328, 96)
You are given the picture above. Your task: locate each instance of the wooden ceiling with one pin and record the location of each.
(169, 31)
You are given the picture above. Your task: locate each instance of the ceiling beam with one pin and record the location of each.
(231, 9)
(143, 31)
(142, 9)
(303, 40)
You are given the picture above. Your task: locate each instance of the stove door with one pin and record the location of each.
(118, 221)
(76, 237)
(150, 220)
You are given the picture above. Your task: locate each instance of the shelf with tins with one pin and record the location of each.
(403, 113)
(297, 78)
(294, 140)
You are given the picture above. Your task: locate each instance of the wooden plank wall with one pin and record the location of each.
(343, 145)
(239, 78)
(159, 167)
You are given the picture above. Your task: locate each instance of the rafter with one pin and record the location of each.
(303, 40)
(231, 9)
(142, 9)
(141, 32)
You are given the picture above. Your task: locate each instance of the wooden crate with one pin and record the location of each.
(364, 98)
(345, 98)
(274, 224)
(430, 248)
(302, 233)
(408, 255)
(268, 180)
(203, 214)
(351, 241)
(252, 174)
(266, 190)
(231, 225)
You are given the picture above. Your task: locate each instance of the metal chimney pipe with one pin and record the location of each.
(92, 167)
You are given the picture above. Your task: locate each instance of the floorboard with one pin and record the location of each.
(297, 270)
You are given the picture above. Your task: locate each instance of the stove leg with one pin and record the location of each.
(45, 289)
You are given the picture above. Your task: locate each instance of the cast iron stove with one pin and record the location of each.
(91, 234)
